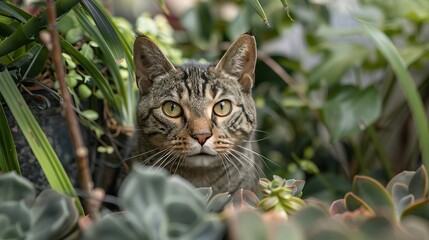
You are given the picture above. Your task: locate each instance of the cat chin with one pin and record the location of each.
(201, 160)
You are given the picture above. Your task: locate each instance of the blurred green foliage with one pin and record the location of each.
(342, 111)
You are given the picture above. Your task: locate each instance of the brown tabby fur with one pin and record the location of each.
(206, 149)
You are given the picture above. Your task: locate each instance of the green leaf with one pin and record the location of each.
(248, 225)
(376, 227)
(419, 183)
(6, 10)
(406, 201)
(419, 209)
(35, 137)
(336, 63)
(399, 191)
(354, 202)
(104, 23)
(218, 202)
(403, 177)
(256, 6)
(18, 218)
(93, 71)
(309, 217)
(124, 105)
(141, 190)
(90, 114)
(15, 188)
(74, 35)
(406, 82)
(26, 33)
(374, 194)
(87, 51)
(8, 157)
(113, 228)
(53, 215)
(351, 110)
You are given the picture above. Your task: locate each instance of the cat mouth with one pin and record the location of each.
(201, 159)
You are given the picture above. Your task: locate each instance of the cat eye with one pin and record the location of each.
(222, 108)
(172, 109)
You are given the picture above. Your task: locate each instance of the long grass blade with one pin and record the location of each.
(92, 70)
(123, 102)
(8, 157)
(104, 24)
(27, 31)
(386, 47)
(36, 138)
(5, 9)
(256, 5)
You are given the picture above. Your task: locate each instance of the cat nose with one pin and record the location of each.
(202, 137)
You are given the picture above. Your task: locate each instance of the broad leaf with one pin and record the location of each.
(53, 216)
(248, 225)
(15, 188)
(337, 62)
(350, 110)
(374, 194)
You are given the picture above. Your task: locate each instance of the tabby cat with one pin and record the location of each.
(197, 120)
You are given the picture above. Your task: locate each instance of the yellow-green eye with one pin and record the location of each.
(222, 108)
(172, 109)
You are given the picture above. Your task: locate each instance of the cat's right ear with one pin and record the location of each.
(149, 62)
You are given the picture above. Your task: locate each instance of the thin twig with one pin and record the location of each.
(286, 78)
(80, 150)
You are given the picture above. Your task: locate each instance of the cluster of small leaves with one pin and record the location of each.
(280, 195)
(23, 216)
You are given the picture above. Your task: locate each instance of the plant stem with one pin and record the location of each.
(286, 78)
(381, 153)
(359, 157)
(80, 150)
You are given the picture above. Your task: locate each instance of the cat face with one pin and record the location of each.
(193, 114)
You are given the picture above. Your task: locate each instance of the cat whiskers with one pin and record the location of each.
(262, 157)
(243, 159)
(139, 155)
(223, 156)
(163, 161)
(260, 139)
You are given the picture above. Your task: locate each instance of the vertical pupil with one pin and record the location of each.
(172, 107)
(222, 105)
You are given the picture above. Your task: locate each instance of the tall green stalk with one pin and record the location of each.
(386, 47)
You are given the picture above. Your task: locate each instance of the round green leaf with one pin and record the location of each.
(90, 114)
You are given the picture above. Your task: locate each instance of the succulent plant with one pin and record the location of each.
(51, 215)
(157, 206)
(281, 195)
(405, 195)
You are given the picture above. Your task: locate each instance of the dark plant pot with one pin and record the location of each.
(48, 113)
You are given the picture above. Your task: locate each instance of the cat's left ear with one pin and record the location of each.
(239, 61)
